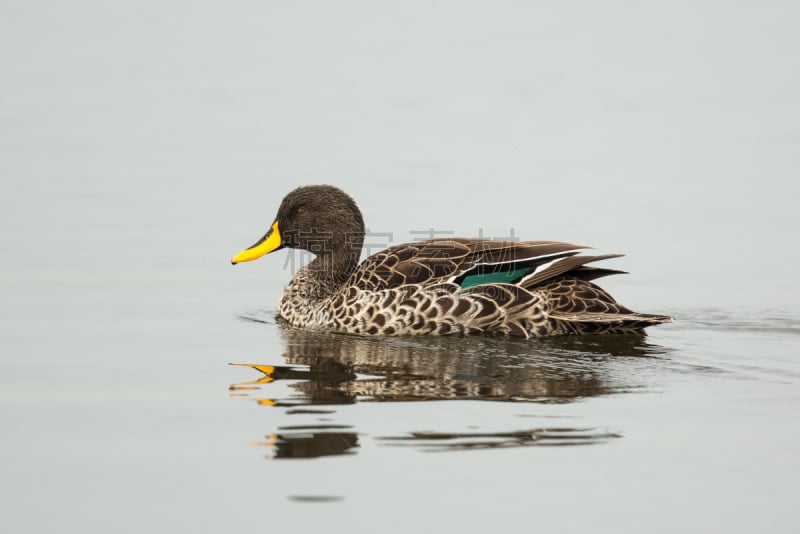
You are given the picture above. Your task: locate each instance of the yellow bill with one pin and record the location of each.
(271, 241)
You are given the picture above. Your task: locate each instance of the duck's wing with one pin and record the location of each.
(472, 262)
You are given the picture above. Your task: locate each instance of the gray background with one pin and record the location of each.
(142, 144)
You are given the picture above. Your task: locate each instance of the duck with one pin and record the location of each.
(435, 287)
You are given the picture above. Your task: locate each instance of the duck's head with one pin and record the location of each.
(321, 219)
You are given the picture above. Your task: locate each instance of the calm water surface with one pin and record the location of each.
(146, 385)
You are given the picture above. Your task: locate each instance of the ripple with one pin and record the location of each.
(263, 316)
(769, 321)
(315, 498)
(437, 441)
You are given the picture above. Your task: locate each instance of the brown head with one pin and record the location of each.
(321, 219)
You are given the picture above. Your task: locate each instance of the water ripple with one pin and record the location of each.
(770, 321)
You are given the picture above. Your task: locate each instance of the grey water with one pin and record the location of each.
(142, 144)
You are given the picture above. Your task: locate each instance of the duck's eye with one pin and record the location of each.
(299, 211)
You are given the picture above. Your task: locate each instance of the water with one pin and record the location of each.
(144, 144)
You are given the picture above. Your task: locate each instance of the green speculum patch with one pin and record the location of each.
(507, 277)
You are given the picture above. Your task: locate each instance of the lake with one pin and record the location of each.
(147, 385)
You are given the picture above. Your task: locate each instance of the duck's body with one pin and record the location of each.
(436, 287)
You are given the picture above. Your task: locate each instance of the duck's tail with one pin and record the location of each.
(577, 306)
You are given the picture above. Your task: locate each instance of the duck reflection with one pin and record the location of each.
(310, 442)
(324, 368)
(332, 368)
(437, 441)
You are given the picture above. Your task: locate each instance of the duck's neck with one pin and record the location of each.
(331, 270)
